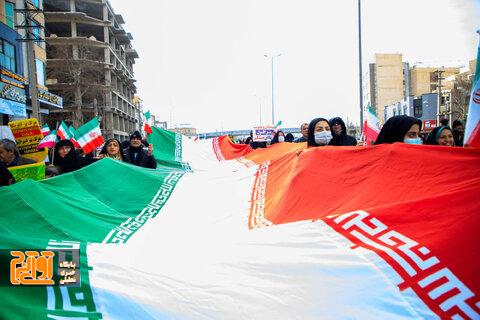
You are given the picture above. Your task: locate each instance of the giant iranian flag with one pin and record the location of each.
(219, 231)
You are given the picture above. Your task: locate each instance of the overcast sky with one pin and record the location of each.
(202, 62)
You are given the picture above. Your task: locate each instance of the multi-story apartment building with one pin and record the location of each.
(19, 21)
(90, 63)
(423, 107)
(425, 79)
(386, 82)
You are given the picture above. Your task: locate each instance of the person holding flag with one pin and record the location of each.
(135, 154)
(66, 158)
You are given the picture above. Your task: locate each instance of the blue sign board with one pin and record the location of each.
(50, 98)
(13, 108)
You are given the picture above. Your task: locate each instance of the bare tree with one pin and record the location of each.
(460, 96)
(80, 74)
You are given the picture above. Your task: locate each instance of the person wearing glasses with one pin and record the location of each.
(339, 134)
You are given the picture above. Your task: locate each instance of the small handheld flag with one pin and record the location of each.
(89, 136)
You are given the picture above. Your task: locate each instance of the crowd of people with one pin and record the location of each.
(333, 132)
(319, 132)
(65, 158)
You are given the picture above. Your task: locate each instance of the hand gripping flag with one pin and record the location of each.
(472, 129)
(45, 130)
(63, 132)
(49, 140)
(89, 136)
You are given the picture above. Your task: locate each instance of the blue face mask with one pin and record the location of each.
(413, 140)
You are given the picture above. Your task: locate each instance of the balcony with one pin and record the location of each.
(131, 53)
(53, 17)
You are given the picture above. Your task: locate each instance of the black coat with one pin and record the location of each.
(142, 159)
(6, 177)
(343, 139)
(72, 161)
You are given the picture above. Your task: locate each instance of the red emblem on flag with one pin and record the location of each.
(476, 96)
(92, 134)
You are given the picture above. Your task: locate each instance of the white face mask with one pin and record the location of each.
(281, 139)
(323, 137)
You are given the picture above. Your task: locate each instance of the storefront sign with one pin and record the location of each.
(13, 108)
(9, 92)
(27, 135)
(429, 125)
(50, 98)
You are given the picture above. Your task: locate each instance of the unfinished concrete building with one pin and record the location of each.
(90, 64)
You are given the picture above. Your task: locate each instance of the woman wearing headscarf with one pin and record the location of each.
(112, 149)
(66, 158)
(442, 136)
(400, 129)
(339, 134)
(319, 132)
(279, 136)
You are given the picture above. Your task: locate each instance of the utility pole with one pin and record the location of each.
(360, 61)
(29, 13)
(272, 57)
(439, 91)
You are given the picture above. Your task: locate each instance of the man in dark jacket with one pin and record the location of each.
(457, 133)
(10, 156)
(304, 132)
(339, 134)
(6, 177)
(135, 154)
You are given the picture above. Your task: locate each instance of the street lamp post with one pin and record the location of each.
(360, 76)
(272, 57)
(260, 107)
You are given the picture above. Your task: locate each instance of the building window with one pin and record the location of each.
(417, 108)
(37, 3)
(7, 55)
(36, 30)
(9, 14)
(40, 66)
